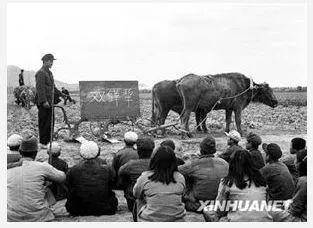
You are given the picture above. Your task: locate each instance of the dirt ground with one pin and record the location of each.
(277, 125)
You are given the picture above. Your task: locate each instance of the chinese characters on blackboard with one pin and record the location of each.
(111, 95)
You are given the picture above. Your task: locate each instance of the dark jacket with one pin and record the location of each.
(203, 176)
(128, 175)
(44, 86)
(279, 181)
(123, 156)
(59, 190)
(90, 189)
(290, 162)
(65, 91)
(298, 207)
(257, 158)
(229, 152)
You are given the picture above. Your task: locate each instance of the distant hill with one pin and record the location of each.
(29, 79)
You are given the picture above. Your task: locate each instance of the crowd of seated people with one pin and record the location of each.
(158, 185)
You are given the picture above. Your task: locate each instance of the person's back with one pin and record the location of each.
(279, 181)
(248, 196)
(241, 193)
(205, 174)
(27, 191)
(290, 162)
(162, 202)
(159, 191)
(129, 173)
(127, 153)
(58, 190)
(123, 156)
(298, 207)
(296, 211)
(280, 185)
(90, 189)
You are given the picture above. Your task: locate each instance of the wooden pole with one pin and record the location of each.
(52, 123)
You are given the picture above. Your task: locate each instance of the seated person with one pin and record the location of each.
(14, 142)
(159, 191)
(297, 153)
(233, 138)
(129, 172)
(277, 176)
(127, 153)
(203, 175)
(58, 190)
(244, 183)
(253, 142)
(26, 186)
(90, 184)
(297, 209)
(298, 147)
(171, 144)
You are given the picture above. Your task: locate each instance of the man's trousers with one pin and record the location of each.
(44, 124)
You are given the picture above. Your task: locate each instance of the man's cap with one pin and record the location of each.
(48, 57)
(89, 150)
(254, 138)
(14, 140)
(272, 150)
(235, 135)
(55, 148)
(130, 136)
(29, 144)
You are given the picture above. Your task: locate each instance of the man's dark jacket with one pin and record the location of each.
(58, 190)
(44, 86)
(280, 185)
(90, 189)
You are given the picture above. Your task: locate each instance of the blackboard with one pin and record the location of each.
(109, 100)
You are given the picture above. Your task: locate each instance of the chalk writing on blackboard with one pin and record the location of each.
(108, 95)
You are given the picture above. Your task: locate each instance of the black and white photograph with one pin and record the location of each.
(147, 111)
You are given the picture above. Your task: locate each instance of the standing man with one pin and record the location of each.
(44, 92)
(21, 78)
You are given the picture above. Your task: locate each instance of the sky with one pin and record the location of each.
(150, 42)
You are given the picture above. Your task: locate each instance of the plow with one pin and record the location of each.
(100, 129)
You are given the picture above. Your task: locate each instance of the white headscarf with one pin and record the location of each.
(130, 136)
(15, 140)
(89, 149)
